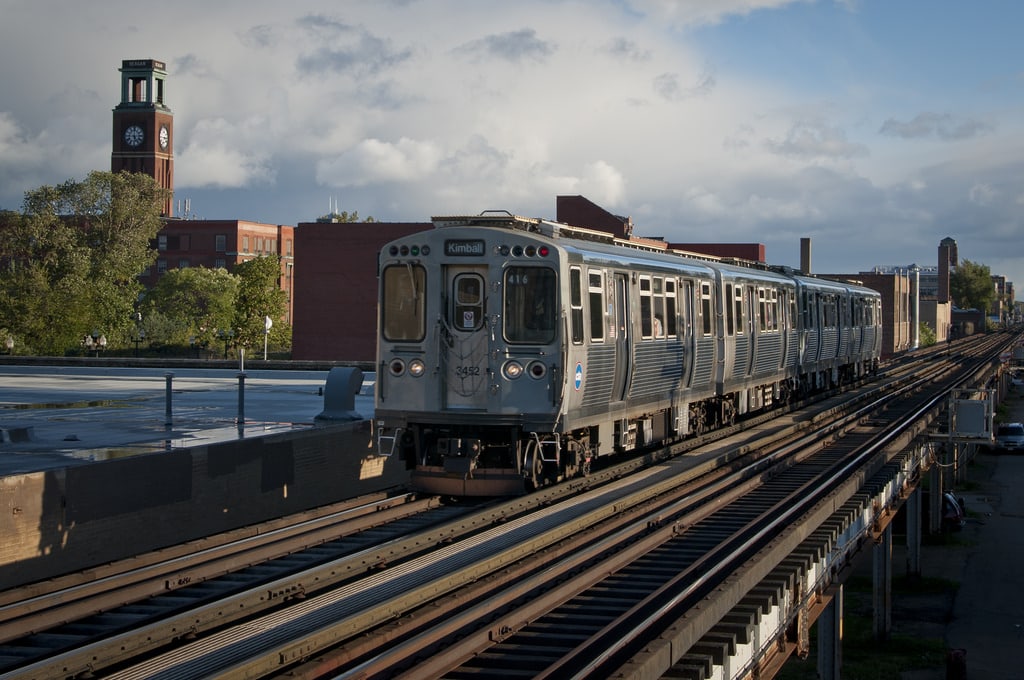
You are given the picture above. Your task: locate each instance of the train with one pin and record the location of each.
(515, 352)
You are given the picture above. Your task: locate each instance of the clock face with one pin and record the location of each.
(165, 137)
(133, 135)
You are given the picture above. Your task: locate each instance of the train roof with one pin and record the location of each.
(558, 230)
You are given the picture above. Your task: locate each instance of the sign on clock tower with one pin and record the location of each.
(144, 126)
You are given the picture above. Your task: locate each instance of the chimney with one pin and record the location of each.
(805, 255)
(948, 257)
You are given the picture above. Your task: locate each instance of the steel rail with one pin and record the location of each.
(723, 491)
(338, 624)
(387, 555)
(40, 612)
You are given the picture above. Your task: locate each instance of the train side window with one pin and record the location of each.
(671, 323)
(730, 319)
(738, 302)
(830, 312)
(658, 288)
(645, 307)
(705, 307)
(595, 295)
(468, 311)
(762, 309)
(530, 312)
(809, 308)
(576, 304)
(403, 317)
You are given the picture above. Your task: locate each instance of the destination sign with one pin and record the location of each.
(464, 247)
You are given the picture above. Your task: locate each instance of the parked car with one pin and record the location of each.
(1009, 437)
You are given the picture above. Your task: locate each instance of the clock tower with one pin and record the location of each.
(144, 126)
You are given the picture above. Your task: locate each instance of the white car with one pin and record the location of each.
(1010, 437)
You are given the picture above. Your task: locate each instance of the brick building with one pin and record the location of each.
(336, 287)
(223, 244)
(897, 306)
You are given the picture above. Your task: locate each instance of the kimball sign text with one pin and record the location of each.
(463, 248)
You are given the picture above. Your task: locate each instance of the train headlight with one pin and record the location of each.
(397, 367)
(537, 369)
(416, 368)
(512, 369)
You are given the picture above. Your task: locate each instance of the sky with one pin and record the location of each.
(874, 128)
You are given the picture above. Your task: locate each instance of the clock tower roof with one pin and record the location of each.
(143, 139)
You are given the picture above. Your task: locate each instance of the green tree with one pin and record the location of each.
(343, 216)
(926, 336)
(258, 297)
(195, 303)
(971, 286)
(72, 258)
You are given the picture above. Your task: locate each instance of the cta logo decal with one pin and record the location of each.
(579, 376)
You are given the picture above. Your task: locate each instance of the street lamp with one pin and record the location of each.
(96, 342)
(140, 334)
(226, 336)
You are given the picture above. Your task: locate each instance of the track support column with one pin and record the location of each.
(830, 641)
(913, 512)
(882, 585)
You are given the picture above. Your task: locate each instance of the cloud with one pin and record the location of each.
(373, 160)
(626, 49)
(669, 87)
(810, 139)
(702, 12)
(225, 155)
(349, 50)
(516, 46)
(935, 126)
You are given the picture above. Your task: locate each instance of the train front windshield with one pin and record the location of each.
(530, 311)
(403, 309)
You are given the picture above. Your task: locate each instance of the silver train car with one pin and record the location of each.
(513, 352)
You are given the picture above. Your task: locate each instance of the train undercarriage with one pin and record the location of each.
(487, 460)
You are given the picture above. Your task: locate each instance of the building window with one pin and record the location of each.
(161, 266)
(245, 244)
(288, 247)
(219, 263)
(161, 242)
(222, 243)
(183, 263)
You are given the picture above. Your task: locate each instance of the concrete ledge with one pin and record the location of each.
(66, 519)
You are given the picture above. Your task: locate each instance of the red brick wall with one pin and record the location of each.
(335, 288)
(753, 252)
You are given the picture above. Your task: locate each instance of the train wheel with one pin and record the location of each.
(533, 467)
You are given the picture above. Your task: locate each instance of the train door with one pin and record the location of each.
(686, 329)
(620, 298)
(755, 324)
(464, 345)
